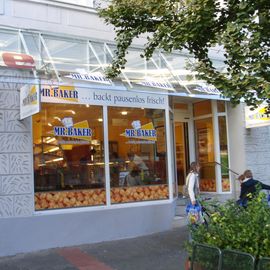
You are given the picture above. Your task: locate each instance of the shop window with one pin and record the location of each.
(138, 160)
(173, 145)
(181, 152)
(68, 156)
(202, 108)
(220, 106)
(205, 152)
(224, 160)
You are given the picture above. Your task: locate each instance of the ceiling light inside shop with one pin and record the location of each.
(41, 165)
(94, 164)
(95, 142)
(54, 160)
(49, 140)
(124, 112)
(52, 150)
(100, 120)
(49, 124)
(57, 118)
(71, 111)
(87, 105)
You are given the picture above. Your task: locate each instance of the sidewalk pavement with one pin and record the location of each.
(160, 251)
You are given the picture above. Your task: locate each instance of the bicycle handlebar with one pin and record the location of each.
(221, 165)
(206, 199)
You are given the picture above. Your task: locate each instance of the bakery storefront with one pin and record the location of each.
(105, 147)
(78, 132)
(99, 159)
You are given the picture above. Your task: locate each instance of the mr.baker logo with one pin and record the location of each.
(259, 114)
(146, 132)
(79, 130)
(67, 93)
(31, 96)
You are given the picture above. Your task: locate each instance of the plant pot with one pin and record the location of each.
(196, 266)
(187, 264)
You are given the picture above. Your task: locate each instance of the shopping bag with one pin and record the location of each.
(194, 214)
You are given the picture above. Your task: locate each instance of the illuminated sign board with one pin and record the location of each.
(61, 93)
(209, 89)
(257, 117)
(95, 77)
(78, 130)
(149, 82)
(79, 95)
(29, 100)
(145, 133)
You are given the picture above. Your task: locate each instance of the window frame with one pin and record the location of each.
(108, 204)
(215, 115)
(107, 128)
(78, 187)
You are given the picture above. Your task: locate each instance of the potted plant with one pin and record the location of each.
(233, 227)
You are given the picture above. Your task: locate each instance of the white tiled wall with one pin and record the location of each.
(16, 182)
(257, 149)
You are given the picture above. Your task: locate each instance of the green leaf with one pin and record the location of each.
(198, 25)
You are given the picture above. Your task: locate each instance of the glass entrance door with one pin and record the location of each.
(181, 153)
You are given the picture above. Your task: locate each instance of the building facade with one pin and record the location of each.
(102, 159)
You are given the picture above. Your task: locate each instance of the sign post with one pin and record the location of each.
(257, 117)
(29, 100)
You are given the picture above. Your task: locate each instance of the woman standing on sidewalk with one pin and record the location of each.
(193, 209)
(192, 182)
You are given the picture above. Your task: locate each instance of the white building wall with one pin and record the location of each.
(54, 17)
(237, 144)
(16, 184)
(249, 148)
(257, 150)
